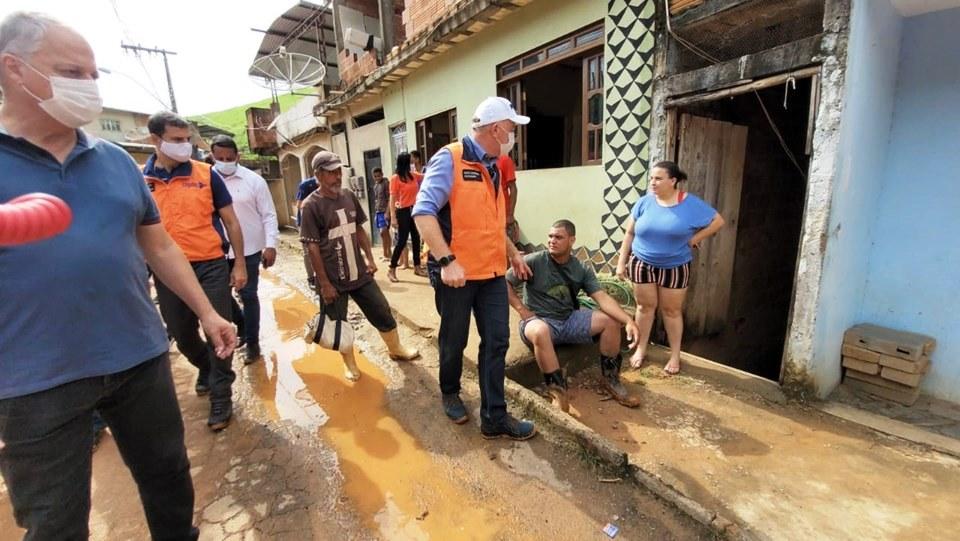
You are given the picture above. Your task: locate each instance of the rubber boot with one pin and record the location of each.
(557, 390)
(350, 370)
(397, 351)
(610, 369)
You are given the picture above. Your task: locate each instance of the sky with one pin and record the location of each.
(213, 42)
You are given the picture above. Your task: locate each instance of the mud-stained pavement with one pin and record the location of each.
(310, 455)
(785, 471)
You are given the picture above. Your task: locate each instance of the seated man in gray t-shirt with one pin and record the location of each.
(551, 315)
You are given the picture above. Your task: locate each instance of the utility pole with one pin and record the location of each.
(166, 66)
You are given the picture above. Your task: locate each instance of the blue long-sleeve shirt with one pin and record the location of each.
(438, 180)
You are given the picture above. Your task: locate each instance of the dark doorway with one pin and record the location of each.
(435, 132)
(743, 321)
(371, 161)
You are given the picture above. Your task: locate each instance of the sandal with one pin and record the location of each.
(420, 271)
(671, 371)
(637, 365)
(392, 275)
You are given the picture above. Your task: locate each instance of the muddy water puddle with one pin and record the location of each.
(394, 484)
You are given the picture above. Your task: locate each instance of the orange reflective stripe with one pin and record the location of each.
(186, 211)
(478, 219)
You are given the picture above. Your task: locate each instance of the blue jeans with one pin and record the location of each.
(250, 300)
(46, 457)
(487, 300)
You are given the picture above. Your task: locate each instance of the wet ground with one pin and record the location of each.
(780, 470)
(312, 456)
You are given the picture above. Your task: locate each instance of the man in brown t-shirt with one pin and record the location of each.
(339, 249)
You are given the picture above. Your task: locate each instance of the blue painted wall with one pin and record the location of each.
(914, 272)
(868, 104)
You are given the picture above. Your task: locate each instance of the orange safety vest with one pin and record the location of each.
(186, 211)
(478, 219)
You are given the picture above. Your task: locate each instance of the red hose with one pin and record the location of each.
(33, 217)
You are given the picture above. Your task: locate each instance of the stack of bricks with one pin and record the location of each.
(886, 363)
(421, 15)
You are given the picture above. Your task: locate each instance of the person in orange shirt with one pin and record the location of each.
(508, 172)
(404, 186)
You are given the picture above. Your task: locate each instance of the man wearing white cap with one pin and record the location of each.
(461, 214)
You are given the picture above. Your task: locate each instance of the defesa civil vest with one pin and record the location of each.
(478, 219)
(186, 211)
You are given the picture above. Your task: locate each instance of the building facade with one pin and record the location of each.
(796, 119)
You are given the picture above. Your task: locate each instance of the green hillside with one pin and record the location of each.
(234, 119)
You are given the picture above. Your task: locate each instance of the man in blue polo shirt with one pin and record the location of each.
(79, 332)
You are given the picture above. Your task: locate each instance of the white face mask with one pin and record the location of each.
(505, 148)
(73, 102)
(225, 168)
(178, 152)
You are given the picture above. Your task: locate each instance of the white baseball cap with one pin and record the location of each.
(495, 109)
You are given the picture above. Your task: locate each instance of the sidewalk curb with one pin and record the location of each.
(616, 460)
(611, 457)
(600, 449)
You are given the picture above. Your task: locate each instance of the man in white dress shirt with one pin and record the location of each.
(258, 219)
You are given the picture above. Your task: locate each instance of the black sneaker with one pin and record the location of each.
(454, 408)
(220, 414)
(201, 387)
(252, 354)
(508, 427)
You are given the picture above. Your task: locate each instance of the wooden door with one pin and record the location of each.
(712, 153)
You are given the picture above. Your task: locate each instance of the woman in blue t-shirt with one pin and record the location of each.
(663, 228)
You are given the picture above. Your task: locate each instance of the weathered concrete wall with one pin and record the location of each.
(867, 106)
(803, 371)
(912, 280)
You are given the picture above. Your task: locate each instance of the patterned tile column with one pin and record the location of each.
(628, 85)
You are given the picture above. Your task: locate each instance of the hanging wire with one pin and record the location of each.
(713, 60)
(127, 34)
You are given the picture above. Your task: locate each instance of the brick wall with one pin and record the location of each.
(420, 15)
(354, 67)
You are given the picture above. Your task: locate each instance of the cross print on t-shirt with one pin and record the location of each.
(345, 234)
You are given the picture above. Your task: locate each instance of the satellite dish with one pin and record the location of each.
(289, 71)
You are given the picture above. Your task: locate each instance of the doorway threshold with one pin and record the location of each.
(693, 365)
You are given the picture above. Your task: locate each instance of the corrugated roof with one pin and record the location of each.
(303, 29)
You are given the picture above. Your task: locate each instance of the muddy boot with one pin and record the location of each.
(557, 390)
(397, 351)
(350, 370)
(610, 368)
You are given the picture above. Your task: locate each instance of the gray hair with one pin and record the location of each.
(22, 32)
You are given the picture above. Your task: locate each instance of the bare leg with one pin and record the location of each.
(671, 306)
(538, 333)
(609, 331)
(387, 240)
(646, 297)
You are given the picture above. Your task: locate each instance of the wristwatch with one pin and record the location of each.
(446, 260)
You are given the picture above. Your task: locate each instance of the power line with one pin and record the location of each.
(166, 66)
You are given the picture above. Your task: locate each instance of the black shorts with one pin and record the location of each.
(641, 272)
(371, 302)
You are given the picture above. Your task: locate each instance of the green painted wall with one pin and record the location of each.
(464, 75)
(547, 195)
